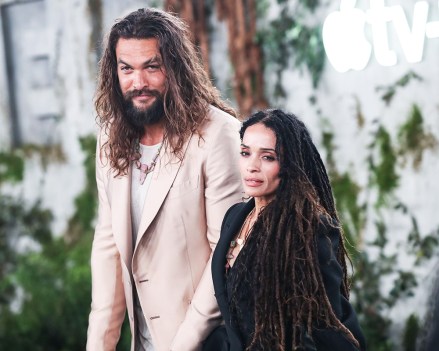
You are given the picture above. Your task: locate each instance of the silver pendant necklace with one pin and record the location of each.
(145, 168)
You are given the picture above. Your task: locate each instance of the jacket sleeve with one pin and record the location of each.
(108, 299)
(328, 339)
(222, 189)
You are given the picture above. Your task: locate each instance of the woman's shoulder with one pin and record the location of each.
(232, 211)
(328, 227)
(237, 210)
(327, 238)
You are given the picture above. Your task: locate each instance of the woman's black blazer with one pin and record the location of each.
(324, 339)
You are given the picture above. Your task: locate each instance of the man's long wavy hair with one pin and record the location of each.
(289, 294)
(188, 91)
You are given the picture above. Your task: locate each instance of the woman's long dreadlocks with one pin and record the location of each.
(290, 297)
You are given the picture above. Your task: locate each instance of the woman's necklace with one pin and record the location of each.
(144, 168)
(237, 244)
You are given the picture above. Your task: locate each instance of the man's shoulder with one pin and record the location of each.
(218, 117)
(219, 128)
(219, 124)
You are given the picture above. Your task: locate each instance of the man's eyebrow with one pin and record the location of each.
(154, 59)
(122, 61)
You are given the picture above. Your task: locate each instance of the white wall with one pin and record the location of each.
(338, 95)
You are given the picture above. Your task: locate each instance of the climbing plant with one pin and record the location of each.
(45, 287)
(289, 41)
(11, 167)
(414, 139)
(390, 90)
(366, 207)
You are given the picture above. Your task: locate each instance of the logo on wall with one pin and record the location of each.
(348, 47)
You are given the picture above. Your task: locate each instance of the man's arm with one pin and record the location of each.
(108, 299)
(222, 189)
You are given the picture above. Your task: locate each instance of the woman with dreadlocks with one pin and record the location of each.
(279, 269)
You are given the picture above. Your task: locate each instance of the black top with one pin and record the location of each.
(242, 293)
(240, 324)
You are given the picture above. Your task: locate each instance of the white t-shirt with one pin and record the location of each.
(138, 196)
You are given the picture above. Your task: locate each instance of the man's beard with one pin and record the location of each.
(139, 118)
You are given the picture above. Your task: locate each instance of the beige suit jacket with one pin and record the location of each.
(170, 262)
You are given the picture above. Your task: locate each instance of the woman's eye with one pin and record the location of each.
(244, 153)
(269, 158)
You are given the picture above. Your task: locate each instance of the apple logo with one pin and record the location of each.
(344, 38)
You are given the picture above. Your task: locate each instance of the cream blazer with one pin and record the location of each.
(170, 262)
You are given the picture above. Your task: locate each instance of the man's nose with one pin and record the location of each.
(140, 81)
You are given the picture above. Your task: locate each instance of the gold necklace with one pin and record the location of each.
(240, 239)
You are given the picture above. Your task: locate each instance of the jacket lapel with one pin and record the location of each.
(121, 216)
(231, 228)
(162, 178)
(233, 223)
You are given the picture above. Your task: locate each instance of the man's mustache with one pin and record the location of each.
(144, 91)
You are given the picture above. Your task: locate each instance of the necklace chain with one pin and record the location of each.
(241, 239)
(144, 168)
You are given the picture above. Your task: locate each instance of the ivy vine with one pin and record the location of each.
(414, 139)
(288, 41)
(386, 155)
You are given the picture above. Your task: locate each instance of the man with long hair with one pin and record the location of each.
(166, 170)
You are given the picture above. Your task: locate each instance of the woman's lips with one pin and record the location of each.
(253, 182)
